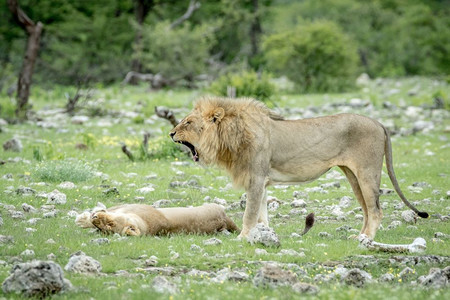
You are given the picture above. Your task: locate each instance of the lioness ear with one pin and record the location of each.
(218, 114)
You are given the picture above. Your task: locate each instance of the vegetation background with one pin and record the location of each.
(320, 45)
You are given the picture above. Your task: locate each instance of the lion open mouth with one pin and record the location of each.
(192, 148)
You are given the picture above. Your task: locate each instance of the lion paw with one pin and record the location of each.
(102, 221)
(132, 230)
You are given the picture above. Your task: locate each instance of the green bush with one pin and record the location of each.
(63, 170)
(317, 57)
(7, 108)
(247, 84)
(178, 53)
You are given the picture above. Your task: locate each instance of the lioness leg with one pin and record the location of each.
(103, 221)
(357, 191)
(263, 218)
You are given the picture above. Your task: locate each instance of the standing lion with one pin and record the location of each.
(259, 148)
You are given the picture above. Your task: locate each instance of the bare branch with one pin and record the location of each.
(165, 113)
(20, 16)
(127, 152)
(193, 6)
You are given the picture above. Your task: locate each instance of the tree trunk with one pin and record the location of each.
(34, 32)
(255, 29)
(141, 10)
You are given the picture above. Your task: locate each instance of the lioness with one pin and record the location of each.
(141, 219)
(258, 148)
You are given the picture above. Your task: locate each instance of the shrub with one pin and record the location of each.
(178, 53)
(317, 57)
(247, 84)
(63, 170)
(7, 108)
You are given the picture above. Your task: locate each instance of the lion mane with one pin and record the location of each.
(231, 133)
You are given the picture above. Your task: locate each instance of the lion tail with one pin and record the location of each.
(309, 222)
(390, 169)
(231, 226)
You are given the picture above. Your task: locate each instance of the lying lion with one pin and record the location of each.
(259, 148)
(141, 219)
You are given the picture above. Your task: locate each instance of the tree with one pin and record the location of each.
(34, 31)
(141, 10)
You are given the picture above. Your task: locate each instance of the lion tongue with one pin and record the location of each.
(195, 156)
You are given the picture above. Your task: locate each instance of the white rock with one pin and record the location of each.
(298, 203)
(56, 197)
(67, 185)
(409, 216)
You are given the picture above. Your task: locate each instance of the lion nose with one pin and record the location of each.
(172, 134)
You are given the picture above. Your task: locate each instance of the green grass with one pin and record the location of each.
(56, 147)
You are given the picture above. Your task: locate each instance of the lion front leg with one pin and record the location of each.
(253, 207)
(263, 216)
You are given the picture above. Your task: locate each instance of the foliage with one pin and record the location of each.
(317, 57)
(246, 83)
(394, 37)
(7, 108)
(63, 170)
(96, 40)
(161, 148)
(178, 53)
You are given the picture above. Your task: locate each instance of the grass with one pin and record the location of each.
(57, 150)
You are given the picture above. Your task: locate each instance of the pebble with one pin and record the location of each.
(212, 241)
(298, 203)
(262, 234)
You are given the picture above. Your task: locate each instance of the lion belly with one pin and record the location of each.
(208, 218)
(279, 177)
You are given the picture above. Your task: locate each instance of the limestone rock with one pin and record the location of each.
(14, 145)
(56, 197)
(36, 279)
(271, 275)
(162, 285)
(83, 264)
(356, 277)
(263, 235)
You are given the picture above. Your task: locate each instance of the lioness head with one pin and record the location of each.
(109, 223)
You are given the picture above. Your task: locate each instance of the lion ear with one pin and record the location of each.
(218, 115)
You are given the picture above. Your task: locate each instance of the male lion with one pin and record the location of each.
(141, 219)
(258, 148)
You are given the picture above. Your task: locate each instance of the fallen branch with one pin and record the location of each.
(418, 245)
(165, 113)
(156, 81)
(144, 145)
(127, 152)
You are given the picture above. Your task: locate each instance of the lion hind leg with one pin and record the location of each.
(358, 193)
(370, 187)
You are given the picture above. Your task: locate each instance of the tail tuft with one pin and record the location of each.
(309, 222)
(423, 214)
